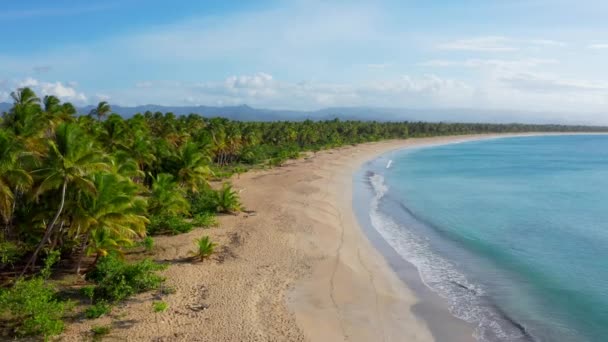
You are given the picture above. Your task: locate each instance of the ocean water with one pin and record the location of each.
(512, 232)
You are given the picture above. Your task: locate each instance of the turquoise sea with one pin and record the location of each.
(512, 232)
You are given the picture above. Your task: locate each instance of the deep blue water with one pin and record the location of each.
(512, 232)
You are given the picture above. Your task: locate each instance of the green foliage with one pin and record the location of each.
(203, 202)
(34, 306)
(161, 224)
(160, 306)
(116, 279)
(167, 198)
(205, 220)
(88, 291)
(98, 309)
(10, 252)
(100, 331)
(227, 200)
(204, 248)
(148, 243)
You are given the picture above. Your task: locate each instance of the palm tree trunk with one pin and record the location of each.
(49, 229)
(83, 247)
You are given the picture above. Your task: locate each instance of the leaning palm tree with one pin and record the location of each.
(110, 218)
(71, 160)
(194, 171)
(102, 110)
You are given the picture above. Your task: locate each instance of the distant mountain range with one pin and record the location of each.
(247, 113)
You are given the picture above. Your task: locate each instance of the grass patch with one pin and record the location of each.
(100, 330)
(160, 306)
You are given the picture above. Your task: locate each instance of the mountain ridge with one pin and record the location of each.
(247, 113)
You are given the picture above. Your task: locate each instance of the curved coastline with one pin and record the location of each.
(432, 305)
(298, 266)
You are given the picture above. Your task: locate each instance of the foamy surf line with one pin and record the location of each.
(466, 300)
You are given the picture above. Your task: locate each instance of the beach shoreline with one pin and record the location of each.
(296, 266)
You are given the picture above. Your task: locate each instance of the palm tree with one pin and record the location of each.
(71, 160)
(22, 119)
(51, 103)
(167, 197)
(102, 110)
(194, 170)
(13, 177)
(111, 217)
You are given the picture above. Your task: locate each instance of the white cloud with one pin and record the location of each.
(497, 44)
(492, 63)
(102, 97)
(65, 92)
(546, 83)
(262, 89)
(598, 46)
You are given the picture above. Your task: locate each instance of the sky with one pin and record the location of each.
(545, 56)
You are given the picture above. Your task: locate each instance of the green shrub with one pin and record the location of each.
(88, 291)
(203, 202)
(161, 224)
(205, 219)
(10, 252)
(98, 309)
(117, 279)
(227, 200)
(100, 330)
(33, 304)
(204, 248)
(148, 243)
(159, 306)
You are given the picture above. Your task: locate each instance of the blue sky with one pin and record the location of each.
(536, 55)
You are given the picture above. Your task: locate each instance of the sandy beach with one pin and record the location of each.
(294, 267)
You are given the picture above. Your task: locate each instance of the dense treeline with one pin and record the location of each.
(92, 185)
(87, 184)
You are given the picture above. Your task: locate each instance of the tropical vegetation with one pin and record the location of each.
(86, 188)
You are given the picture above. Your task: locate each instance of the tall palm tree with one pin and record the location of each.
(102, 110)
(22, 119)
(194, 170)
(111, 217)
(13, 177)
(71, 160)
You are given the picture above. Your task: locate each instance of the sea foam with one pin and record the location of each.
(466, 300)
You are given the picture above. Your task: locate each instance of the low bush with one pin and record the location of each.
(9, 253)
(100, 330)
(116, 279)
(148, 243)
(159, 306)
(203, 202)
(204, 248)
(33, 304)
(227, 200)
(174, 225)
(98, 309)
(205, 219)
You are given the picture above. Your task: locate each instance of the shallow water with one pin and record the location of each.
(512, 232)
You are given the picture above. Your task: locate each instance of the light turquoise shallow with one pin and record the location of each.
(523, 222)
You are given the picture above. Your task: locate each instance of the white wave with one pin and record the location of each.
(438, 274)
(390, 162)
